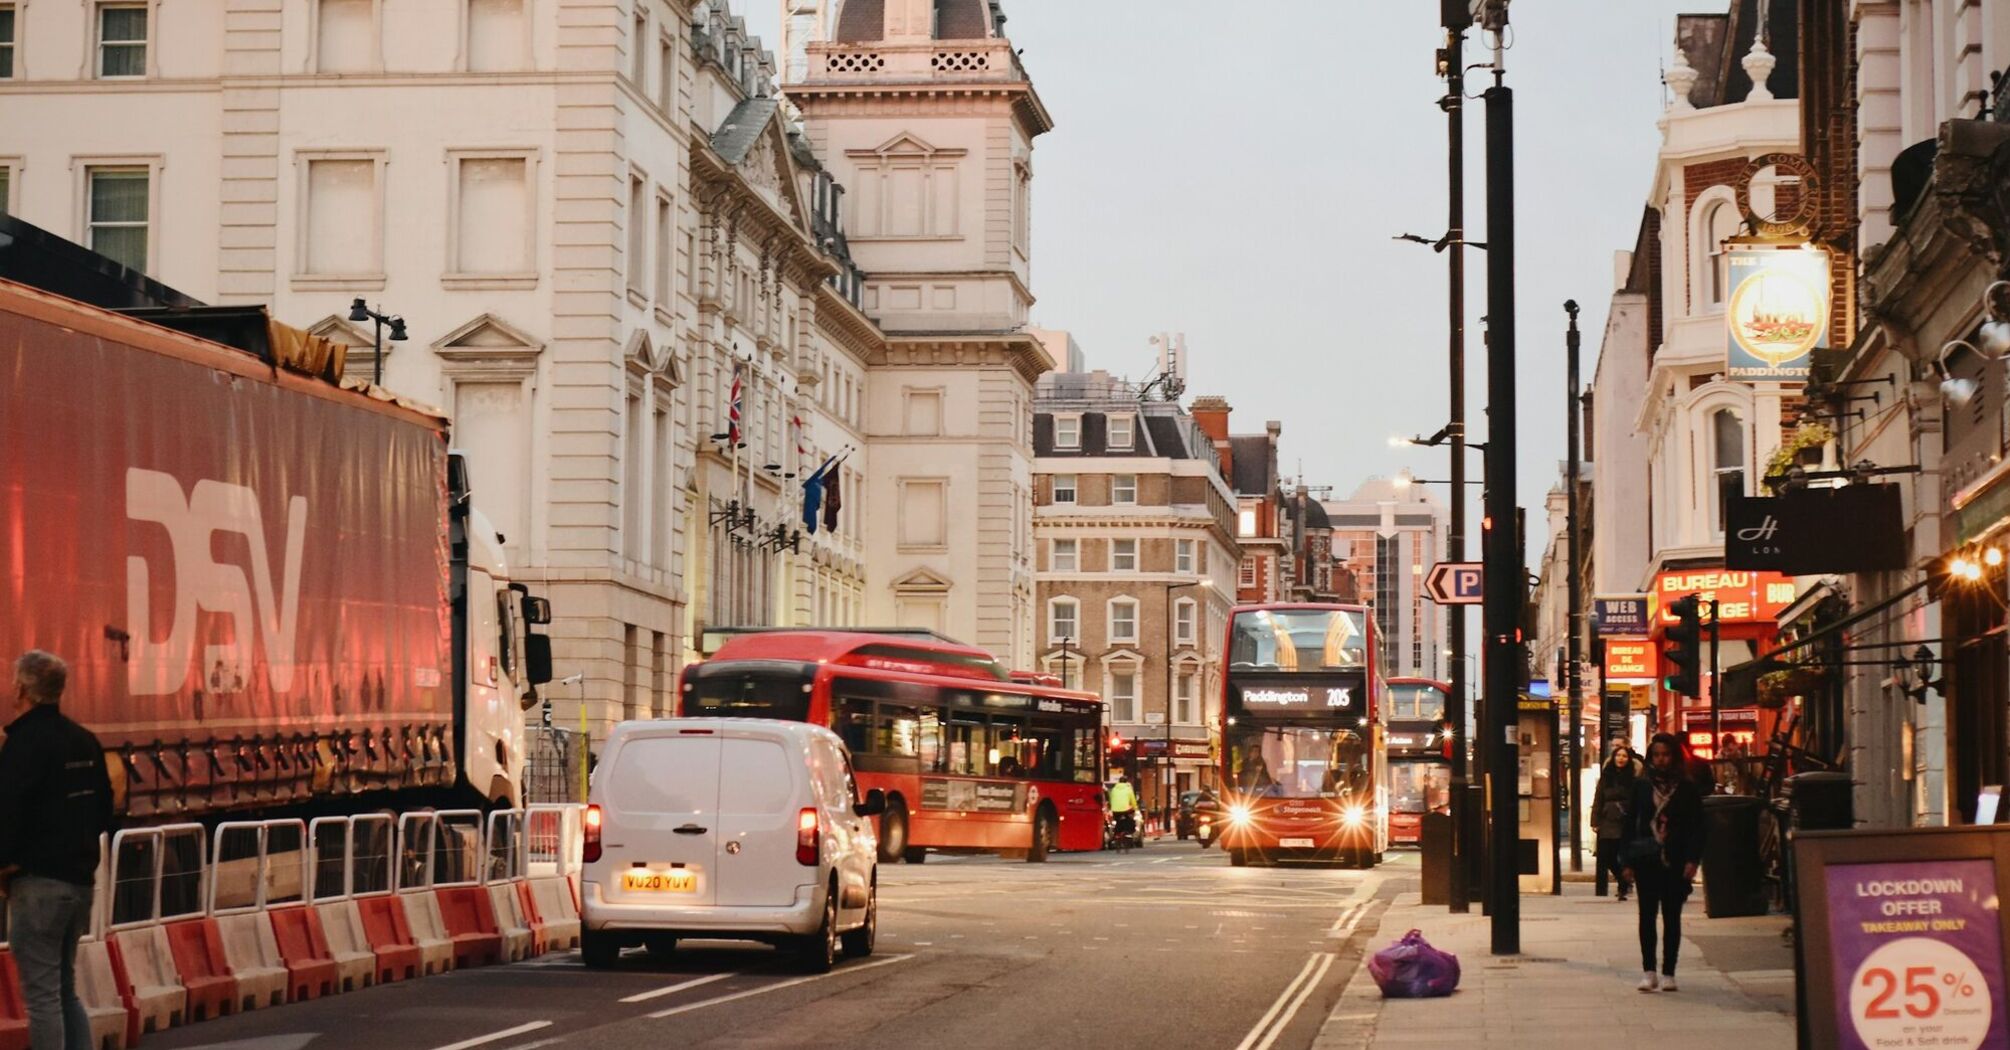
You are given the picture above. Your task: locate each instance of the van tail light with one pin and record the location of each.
(590, 848)
(806, 837)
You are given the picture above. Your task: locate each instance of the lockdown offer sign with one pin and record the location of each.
(1917, 954)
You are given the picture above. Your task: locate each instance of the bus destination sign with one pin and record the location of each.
(1278, 695)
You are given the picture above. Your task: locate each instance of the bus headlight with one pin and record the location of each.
(1238, 814)
(1353, 816)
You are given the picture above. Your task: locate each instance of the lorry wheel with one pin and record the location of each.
(598, 949)
(893, 832)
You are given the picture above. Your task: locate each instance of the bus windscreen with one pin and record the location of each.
(1298, 640)
(1297, 761)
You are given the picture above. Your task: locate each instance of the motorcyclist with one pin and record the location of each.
(1124, 805)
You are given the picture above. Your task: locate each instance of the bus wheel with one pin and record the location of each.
(1238, 858)
(914, 854)
(893, 832)
(1043, 838)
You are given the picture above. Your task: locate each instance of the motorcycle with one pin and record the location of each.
(1122, 831)
(1205, 816)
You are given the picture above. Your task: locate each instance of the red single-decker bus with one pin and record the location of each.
(970, 759)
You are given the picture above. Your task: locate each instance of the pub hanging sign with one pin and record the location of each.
(1776, 312)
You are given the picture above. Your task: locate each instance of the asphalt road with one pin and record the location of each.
(1166, 946)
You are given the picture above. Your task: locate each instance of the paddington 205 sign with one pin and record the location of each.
(1777, 312)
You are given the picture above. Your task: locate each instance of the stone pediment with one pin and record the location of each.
(487, 337)
(339, 329)
(905, 144)
(644, 355)
(755, 144)
(921, 581)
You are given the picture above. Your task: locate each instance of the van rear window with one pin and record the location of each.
(665, 774)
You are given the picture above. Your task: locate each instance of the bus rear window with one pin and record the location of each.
(786, 697)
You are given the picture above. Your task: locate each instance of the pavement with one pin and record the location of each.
(1573, 983)
(1166, 946)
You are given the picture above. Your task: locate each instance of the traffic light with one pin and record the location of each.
(1683, 648)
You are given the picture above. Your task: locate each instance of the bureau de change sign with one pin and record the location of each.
(1904, 934)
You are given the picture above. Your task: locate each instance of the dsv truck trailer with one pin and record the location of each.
(274, 592)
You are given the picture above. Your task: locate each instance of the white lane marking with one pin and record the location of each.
(1344, 925)
(493, 1036)
(553, 1041)
(1270, 1024)
(643, 997)
(1165, 860)
(1304, 993)
(790, 983)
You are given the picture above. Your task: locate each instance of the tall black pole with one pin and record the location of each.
(1573, 670)
(1716, 706)
(1456, 20)
(1504, 578)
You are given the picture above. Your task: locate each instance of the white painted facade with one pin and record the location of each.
(555, 195)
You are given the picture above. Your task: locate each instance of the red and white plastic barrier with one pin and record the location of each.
(189, 925)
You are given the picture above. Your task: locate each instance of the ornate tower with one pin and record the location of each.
(924, 115)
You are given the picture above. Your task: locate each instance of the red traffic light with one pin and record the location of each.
(1116, 741)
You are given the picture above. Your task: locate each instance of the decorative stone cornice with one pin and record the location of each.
(1016, 350)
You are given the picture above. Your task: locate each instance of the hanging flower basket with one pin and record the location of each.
(1803, 447)
(1778, 687)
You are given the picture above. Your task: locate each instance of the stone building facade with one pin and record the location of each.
(1134, 532)
(594, 215)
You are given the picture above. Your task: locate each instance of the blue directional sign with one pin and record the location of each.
(1455, 583)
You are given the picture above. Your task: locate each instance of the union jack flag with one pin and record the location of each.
(733, 412)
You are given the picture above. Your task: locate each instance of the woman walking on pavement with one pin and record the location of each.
(1664, 842)
(1615, 803)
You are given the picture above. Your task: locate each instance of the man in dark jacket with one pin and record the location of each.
(55, 800)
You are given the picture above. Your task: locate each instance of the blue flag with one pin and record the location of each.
(813, 496)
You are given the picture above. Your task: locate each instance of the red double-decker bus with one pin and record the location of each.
(1304, 754)
(970, 759)
(1420, 765)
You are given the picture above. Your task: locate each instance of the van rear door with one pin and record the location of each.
(763, 788)
(660, 811)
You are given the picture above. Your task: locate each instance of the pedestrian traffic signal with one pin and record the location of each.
(1683, 648)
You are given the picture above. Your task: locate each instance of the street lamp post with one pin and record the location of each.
(359, 311)
(1505, 583)
(1165, 787)
(1574, 613)
(1066, 645)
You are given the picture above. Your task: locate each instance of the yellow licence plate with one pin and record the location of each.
(677, 880)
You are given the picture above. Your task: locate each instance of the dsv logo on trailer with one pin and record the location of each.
(254, 605)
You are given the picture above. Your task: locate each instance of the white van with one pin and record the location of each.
(741, 828)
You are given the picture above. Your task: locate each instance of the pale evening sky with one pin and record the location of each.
(1236, 170)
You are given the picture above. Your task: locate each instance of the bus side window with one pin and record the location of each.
(1009, 745)
(895, 733)
(928, 743)
(853, 722)
(1088, 748)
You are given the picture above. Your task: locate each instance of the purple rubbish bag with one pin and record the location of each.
(1412, 969)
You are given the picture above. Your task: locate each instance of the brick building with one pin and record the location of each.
(1134, 535)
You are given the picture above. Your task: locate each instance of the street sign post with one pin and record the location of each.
(1455, 583)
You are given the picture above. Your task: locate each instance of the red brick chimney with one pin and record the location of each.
(1210, 414)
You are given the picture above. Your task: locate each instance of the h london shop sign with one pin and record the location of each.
(1856, 528)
